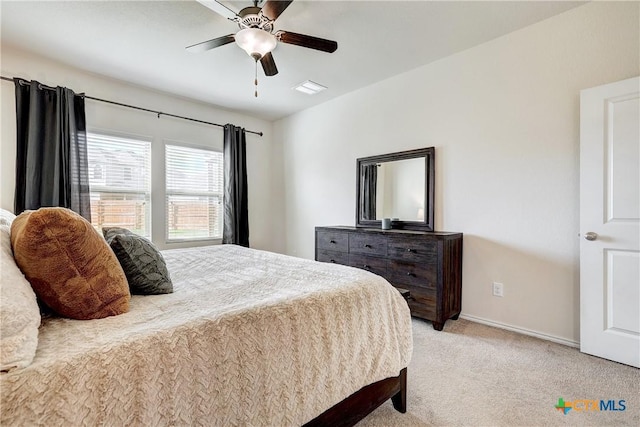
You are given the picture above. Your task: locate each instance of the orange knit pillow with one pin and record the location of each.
(69, 264)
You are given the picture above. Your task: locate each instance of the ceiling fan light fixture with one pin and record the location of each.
(256, 42)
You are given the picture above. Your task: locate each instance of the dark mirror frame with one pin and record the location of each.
(429, 155)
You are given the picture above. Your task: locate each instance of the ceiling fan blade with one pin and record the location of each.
(273, 8)
(210, 44)
(308, 41)
(218, 8)
(269, 65)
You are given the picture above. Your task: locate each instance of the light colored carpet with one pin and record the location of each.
(475, 375)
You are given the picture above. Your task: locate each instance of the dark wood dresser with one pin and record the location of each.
(428, 264)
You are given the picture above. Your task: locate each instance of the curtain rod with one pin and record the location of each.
(159, 113)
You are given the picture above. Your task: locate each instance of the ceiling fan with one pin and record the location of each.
(257, 36)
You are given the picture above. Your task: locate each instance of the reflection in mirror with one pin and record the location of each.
(393, 190)
(400, 190)
(397, 186)
(369, 176)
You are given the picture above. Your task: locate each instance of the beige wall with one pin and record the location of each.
(504, 118)
(107, 117)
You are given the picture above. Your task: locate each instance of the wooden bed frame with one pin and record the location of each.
(361, 403)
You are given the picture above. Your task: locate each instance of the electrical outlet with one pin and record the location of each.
(498, 289)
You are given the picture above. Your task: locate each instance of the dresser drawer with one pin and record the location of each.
(414, 250)
(375, 265)
(332, 241)
(423, 303)
(368, 244)
(412, 274)
(335, 257)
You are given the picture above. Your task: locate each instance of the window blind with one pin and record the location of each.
(194, 189)
(120, 182)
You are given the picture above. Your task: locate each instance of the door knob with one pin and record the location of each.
(591, 236)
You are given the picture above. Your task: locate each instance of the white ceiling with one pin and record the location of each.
(143, 42)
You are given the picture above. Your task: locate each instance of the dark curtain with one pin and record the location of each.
(236, 212)
(51, 157)
(369, 186)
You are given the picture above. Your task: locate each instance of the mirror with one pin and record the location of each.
(399, 186)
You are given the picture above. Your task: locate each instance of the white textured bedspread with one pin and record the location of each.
(247, 338)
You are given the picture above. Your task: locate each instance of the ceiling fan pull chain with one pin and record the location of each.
(256, 79)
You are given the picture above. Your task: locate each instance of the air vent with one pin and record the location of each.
(309, 87)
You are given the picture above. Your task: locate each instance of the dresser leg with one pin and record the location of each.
(438, 325)
(456, 316)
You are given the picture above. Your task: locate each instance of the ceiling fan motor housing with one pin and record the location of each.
(251, 17)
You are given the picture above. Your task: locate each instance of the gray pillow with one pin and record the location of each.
(141, 261)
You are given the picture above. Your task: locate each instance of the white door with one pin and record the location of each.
(610, 221)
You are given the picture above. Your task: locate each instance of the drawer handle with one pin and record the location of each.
(332, 241)
(366, 266)
(367, 246)
(410, 250)
(410, 274)
(332, 260)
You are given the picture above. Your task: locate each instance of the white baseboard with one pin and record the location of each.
(520, 330)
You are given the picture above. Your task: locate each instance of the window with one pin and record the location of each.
(120, 182)
(194, 193)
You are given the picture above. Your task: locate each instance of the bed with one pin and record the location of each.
(248, 337)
